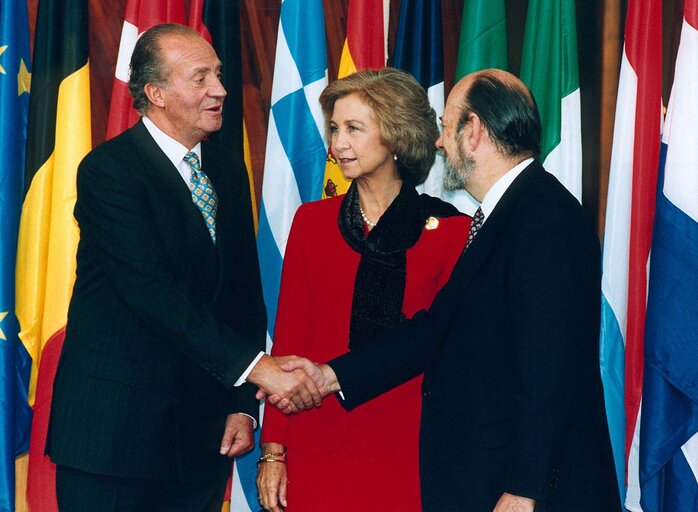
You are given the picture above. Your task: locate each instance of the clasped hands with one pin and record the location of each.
(293, 384)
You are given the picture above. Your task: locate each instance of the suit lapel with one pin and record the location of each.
(159, 168)
(484, 242)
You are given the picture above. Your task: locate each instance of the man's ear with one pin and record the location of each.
(154, 94)
(477, 132)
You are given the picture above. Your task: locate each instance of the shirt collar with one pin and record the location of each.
(174, 150)
(495, 193)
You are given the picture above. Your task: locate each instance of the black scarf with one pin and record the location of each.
(379, 287)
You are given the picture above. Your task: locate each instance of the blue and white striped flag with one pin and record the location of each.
(419, 51)
(293, 168)
(668, 434)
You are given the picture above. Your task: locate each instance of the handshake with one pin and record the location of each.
(292, 384)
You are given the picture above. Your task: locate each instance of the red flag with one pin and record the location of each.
(140, 16)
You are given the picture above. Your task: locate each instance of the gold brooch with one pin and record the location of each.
(432, 223)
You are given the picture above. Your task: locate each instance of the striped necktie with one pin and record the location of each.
(202, 193)
(478, 219)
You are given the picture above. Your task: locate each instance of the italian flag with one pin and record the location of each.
(550, 69)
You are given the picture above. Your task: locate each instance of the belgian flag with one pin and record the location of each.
(58, 137)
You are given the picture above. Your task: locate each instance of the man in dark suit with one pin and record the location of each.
(513, 415)
(166, 321)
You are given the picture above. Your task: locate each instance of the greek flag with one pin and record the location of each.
(294, 165)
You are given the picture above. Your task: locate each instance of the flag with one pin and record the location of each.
(296, 152)
(668, 440)
(629, 217)
(549, 68)
(15, 363)
(483, 37)
(419, 51)
(58, 138)
(218, 21)
(364, 48)
(140, 16)
(482, 45)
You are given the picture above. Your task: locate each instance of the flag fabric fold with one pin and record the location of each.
(668, 440)
(549, 66)
(364, 48)
(483, 37)
(218, 21)
(295, 154)
(15, 363)
(626, 245)
(419, 51)
(140, 16)
(59, 136)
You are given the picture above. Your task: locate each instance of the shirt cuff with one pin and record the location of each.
(243, 377)
(254, 421)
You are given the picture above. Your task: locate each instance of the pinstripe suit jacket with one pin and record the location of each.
(161, 322)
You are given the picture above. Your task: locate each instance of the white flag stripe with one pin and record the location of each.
(289, 79)
(681, 184)
(129, 36)
(690, 451)
(238, 502)
(433, 185)
(614, 282)
(282, 190)
(565, 160)
(312, 93)
(632, 498)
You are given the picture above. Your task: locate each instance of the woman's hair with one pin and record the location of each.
(401, 107)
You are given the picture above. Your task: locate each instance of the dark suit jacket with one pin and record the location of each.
(512, 397)
(161, 322)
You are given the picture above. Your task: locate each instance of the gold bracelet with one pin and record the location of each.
(261, 461)
(272, 455)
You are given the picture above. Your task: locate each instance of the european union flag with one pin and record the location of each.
(15, 364)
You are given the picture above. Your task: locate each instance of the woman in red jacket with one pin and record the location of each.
(355, 264)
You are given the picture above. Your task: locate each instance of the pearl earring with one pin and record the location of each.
(395, 157)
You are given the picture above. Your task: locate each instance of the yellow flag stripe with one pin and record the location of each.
(247, 155)
(48, 235)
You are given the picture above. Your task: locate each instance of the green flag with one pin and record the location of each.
(483, 37)
(550, 69)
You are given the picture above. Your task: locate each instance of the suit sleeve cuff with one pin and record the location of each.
(243, 377)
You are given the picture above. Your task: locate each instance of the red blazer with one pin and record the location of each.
(313, 321)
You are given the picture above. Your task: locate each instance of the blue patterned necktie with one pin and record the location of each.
(478, 219)
(202, 193)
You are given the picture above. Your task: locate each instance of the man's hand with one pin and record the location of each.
(511, 503)
(294, 386)
(238, 437)
(322, 375)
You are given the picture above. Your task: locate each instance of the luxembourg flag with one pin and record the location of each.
(629, 217)
(668, 440)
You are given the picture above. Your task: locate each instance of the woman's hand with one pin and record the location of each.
(272, 480)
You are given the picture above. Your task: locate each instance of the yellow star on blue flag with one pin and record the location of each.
(24, 78)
